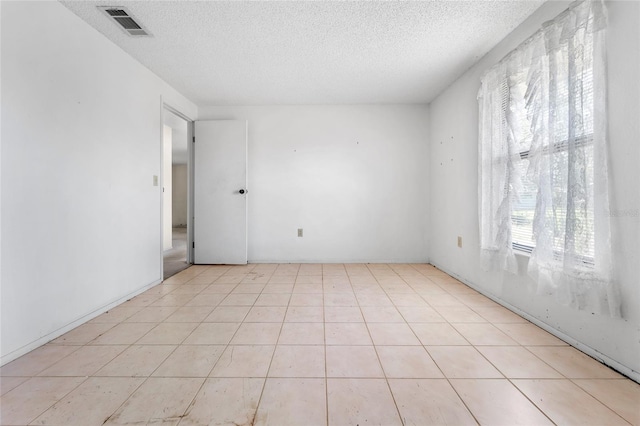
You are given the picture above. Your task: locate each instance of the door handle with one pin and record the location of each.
(242, 191)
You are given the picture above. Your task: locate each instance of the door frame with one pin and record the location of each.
(164, 106)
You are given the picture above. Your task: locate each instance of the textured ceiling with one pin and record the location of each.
(268, 52)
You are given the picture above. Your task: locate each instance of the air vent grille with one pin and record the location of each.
(128, 23)
(116, 12)
(125, 20)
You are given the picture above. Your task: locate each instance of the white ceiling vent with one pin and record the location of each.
(125, 20)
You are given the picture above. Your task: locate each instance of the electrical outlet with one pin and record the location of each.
(299, 232)
(459, 241)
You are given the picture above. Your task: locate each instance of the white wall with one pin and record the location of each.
(179, 174)
(355, 178)
(81, 131)
(454, 193)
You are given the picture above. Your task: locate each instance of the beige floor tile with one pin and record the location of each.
(308, 279)
(530, 335)
(239, 300)
(356, 269)
(190, 361)
(216, 288)
(298, 361)
(340, 299)
(360, 402)
(26, 402)
(37, 360)
(225, 402)
(472, 300)
(82, 334)
(299, 288)
(85, 361)
(403, 294)
(338, 288)
(90, 403)
(266, 314)
(117, 314)
(373, 299)
(392, 334)
(420, 314)
(381, 314)
(462, 362)
(305, 299)
(257, 334)
(278, 280)
(206, 299)
(407, 362)
(8, 383)
(498, 402)
(190, 314)
(244, 361)
(202, 279)
(304, 314)
(286, 271)
(565, 403)
(173, 300)
(230, 279)
(516, 362)
(353, 333)
(483, 334)
(409, 300)
(228, 314)
(301, 333)
(442, 300)
(459, 314)
(157, 401)
(340, 278)
(429, 402)
(273, 299)
(499, 315)
(572, 363)
(278, 288)
(141, 300)
(168, 333)
(620, 395)
(124, 334)
(352, 361)
(363, 280)
(190, 288)
(137, 361)
(152, 314)
(212, 333)
(342, 314)
(293, 401)
(310, 269)
(248, 287)
(431, 334)
(254, 283)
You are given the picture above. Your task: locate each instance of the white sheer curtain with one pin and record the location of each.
(552, 114)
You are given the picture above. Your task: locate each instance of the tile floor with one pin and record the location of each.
(312, 345)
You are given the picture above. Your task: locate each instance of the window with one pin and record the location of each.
(542, 161)
(524, 203)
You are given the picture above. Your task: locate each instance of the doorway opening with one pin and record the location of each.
(175, 190)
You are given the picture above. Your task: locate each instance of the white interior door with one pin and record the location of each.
(220, 192)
